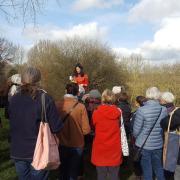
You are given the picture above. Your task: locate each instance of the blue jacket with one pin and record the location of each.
(145, 118)
(25, 117)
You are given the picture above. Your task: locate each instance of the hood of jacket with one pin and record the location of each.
(109, 111)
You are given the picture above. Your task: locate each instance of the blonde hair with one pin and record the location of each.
(108, 97)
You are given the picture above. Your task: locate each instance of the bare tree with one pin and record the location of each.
(25, 9)
(8, 51)
(56, 60)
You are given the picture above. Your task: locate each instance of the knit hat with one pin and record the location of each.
(116, 89)
(95, 94)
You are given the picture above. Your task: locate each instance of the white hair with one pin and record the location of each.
(116, 89)
(168, 97)
(153, 93)
(16, 78)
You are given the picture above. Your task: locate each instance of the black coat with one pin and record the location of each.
(175, 124)
(126, 113)
(126, 110)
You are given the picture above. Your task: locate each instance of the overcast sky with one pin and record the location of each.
(147, 27)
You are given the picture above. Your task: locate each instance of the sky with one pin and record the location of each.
(147, 27)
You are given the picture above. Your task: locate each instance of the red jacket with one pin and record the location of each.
(106, 150)
(82, 80)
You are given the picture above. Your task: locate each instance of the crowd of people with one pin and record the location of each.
(95, 119)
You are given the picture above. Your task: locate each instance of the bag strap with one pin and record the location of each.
(43, 114)
(67, 115)
(151, 130)
(43, 106)
(170, 119)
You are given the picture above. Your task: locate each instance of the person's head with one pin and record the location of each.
(72, 88)
(116, 89)
(167, 97)
(78, 70)
(153, 93)
(31, 76)
(16, 79)
(140, 100)
(95, 94)
(108, 97)
(123, 96)
(30, 79)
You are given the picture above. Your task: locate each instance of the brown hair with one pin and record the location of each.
(141, 100)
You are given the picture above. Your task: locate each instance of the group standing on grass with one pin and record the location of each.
(88, 113)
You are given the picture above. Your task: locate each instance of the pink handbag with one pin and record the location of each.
(46, 154)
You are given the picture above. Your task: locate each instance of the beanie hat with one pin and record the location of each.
(95, 94)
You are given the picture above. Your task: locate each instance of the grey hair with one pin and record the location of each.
(153, 93)
(31, 76)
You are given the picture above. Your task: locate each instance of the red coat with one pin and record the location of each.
(106, 150)
(82, 80)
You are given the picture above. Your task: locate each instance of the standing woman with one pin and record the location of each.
(25, 117)
(76, 125)
(80, 77)
(147, 127)
(123, 104)
(106, 150)
(167, 99)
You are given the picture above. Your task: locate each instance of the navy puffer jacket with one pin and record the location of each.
(145, 118)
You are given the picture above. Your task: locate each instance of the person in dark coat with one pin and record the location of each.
(123, 104)
(167, 99)
(25, 115)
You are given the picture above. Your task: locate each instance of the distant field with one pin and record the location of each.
(7, 170)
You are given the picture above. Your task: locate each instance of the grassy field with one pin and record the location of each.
(7, 170)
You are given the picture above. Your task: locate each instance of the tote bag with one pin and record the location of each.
(171, 147)
(46, 154)
(124, 142)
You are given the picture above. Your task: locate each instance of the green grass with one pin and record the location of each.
(7, 170)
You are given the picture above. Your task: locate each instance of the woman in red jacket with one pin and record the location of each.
(106, 150)
(79, 77)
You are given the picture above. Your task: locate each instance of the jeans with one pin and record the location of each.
(70, 162)
(26, 172)
(107, 171)
(151, 160)
(177, 173)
